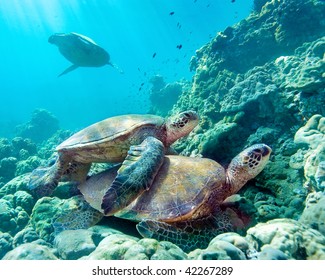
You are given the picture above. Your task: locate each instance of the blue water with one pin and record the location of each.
(130, 30)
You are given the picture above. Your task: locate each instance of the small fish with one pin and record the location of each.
(179, 46)
(171, 13)
(142, 84)
(153, 56)
(233, 1)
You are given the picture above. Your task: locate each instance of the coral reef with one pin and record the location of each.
(314, 212)
(261, 80)
(123, 247)
(294, 239)
(30, 251)
(13, 153)
(226, 246)
(41, 126)
(312, 135)
(74, 244)
(164, 96)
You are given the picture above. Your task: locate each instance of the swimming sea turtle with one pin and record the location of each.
(110, 141)
(184, 205)
(80, 50)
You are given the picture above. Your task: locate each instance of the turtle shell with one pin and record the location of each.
(111, 138)
(80, 50)
(181, 185)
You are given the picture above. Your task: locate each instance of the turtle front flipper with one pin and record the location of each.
(77, 172)
(135, 175)
(43, 180)
(69, 69)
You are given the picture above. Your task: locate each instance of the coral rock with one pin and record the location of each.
(294, 239)
(30, 251)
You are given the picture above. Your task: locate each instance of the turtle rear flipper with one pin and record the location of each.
(188, 235)
(116, 67)
(135, 175)
(69, 69)
(162, 231)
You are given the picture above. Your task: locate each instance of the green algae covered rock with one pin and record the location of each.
(5, 243)
(27, 165)
(19, 183)
(312, 136)
(6, 148)
(13, 219)
(27, 235)
(30, 251)
(24, 200)
(314, 212)
(74, 244)
(8, 168)
(123, 247)
(294, 239)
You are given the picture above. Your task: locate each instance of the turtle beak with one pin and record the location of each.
(51, 39)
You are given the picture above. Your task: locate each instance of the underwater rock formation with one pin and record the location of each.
(314, 212)
(260, 81)
(123, 247)
(164, 96)
(74, 244)
(294, 239)
(312, 136)
(30, 251)
(276, 29)
(13, 153)
(226, 246)
(5, 243)
(17, 184)
(41, 126)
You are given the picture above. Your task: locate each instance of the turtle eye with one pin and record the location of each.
(258, 151)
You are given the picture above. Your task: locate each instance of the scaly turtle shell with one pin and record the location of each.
(110, 139)
(182, 184)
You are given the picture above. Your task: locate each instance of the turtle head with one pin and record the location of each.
(56, 38)
(180, 125)
(246, 165)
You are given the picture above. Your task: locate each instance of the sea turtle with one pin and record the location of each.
(184, 205)
(110, 141)
(81, 51)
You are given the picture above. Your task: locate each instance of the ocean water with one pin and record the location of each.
(130, 31)
(258, 88)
